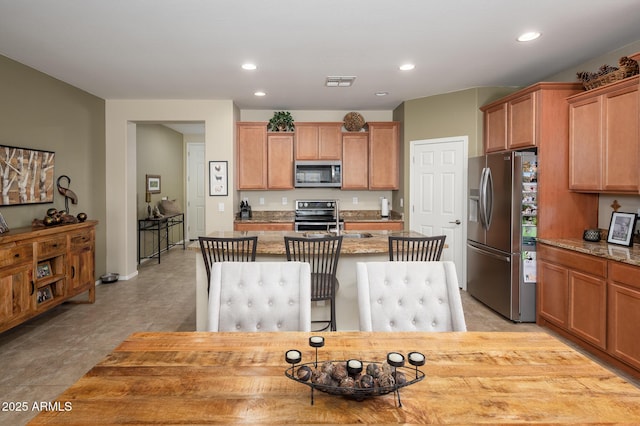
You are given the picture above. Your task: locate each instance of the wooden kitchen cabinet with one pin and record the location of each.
(373, 226)
(624, 313)
(384, 155)
(251, 144)
(495, 128)
(43, 267)
(265, 160)
(572, 292)
(538, 116)
(280, 161)
(318, 141)
(355, 161)
(604, 138)
(263, 226)
(511, 124)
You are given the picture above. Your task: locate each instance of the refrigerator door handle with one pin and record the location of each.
(488, 194)
(488, 253)
(484, 206)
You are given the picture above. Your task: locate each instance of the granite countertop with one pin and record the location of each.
(287, 216)
(630, 255)
(272, 242)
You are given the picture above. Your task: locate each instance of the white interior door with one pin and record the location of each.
(196, 190)
(438, 180)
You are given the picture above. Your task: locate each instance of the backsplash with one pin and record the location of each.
(628, 204)
(285, 200)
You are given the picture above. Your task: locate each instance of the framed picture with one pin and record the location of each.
(44, 270)
(26, 176)
(621, 228)
(3, 225)
(44, 294)
(153, 184)
(218, 179)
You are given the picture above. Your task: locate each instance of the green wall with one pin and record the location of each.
(40, 112)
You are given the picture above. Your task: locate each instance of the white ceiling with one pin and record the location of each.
(193, 49)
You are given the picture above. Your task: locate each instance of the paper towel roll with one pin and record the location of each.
(384, 209)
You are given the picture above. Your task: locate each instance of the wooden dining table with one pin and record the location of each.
(234, 378)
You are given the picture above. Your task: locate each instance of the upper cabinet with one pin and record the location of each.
(370, 160)
(355, 160)
(265, 160)
(318, 141)
(538, 117)
(280, 161)
(252, 155)
(384, 155)
(511, 124)
(604, 132)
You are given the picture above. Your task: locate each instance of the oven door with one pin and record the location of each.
(317, 226)
(312, 226)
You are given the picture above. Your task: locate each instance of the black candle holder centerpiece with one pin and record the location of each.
(355, 378)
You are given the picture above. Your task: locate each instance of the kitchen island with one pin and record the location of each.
(357, 246)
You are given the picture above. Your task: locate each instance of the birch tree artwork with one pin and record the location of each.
(26, 176)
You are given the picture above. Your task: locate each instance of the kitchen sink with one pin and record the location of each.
(357, 235)
(331, 234)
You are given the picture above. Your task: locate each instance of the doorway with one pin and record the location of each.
(196, 183)
(438, 182)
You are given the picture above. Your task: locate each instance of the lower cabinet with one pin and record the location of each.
(624, 313)
(373, 226)
(263, 226)
(593, 301)
(43, 267)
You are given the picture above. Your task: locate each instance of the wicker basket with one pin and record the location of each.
(353, 122)
(627, 68)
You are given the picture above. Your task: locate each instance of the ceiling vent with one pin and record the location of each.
(340, 81)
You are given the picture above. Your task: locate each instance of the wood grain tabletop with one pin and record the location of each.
(238, 378)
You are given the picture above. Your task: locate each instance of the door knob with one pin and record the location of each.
(457, 222)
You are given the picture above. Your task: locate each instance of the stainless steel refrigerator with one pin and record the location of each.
(501, 232)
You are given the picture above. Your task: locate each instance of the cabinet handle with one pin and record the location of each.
(73, 272)
(33, 287)
(17, 255)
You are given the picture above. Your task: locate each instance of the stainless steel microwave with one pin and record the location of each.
(318, 174)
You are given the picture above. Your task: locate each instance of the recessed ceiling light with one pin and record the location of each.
(249, 66)
(382, 93)
(260, 93)
(407, 67)
(532, 35)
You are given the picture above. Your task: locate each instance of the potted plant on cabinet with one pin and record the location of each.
(282, 121)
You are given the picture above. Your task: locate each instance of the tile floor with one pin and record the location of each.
(43, 357)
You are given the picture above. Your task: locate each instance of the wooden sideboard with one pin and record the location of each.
(42, 267)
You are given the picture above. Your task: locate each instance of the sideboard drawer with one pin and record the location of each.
(52, 247)
(14, 254)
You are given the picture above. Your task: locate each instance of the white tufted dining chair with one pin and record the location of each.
(260, 296)
(409, 296)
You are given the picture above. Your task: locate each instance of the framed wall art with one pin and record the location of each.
(218, 178)
(26, 176)
(621, 228)
(153, 184)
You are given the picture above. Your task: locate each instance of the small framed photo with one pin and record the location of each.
(44, 270)
(44, 294)
(153, 184)
(218, 178)
(621, 228)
